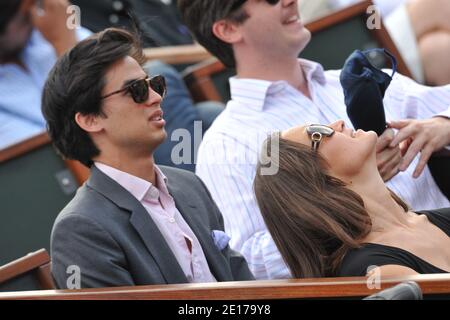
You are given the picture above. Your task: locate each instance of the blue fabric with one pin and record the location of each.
(364, 88)
(180, 112)
(208, 112)
(221, 239)
(21, 90)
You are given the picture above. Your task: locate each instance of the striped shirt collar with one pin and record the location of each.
(253, 92)
(136, 186)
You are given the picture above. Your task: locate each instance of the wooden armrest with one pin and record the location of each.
(23, 265)
(247, 290)
(24, 147)
(44, 275)
(80, 172)
(381, 35)
(37, 262)
(183, 54)
(198, 79)
(205, 68)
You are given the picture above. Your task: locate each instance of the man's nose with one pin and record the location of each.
(153, 98)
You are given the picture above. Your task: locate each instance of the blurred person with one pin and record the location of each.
(421, 32)
(330, 213)
(273, 91)
(132, 222)
(159, 25)
(181, 113)
(158, 20)
(31, 39)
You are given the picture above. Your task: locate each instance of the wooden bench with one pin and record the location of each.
(433, 286)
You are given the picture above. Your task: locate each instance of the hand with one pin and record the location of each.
(52, 23)
(424, 136)
(388, 158)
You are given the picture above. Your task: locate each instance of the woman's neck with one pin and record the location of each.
(385, 213)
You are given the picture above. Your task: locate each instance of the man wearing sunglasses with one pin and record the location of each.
(132, 222)
(273, 91)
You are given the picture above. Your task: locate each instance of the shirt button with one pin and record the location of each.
(171, 220)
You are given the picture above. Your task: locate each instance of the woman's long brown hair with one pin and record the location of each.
(313, 217)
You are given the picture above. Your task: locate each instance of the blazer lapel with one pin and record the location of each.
(157, 246)
(216, 261)
(142, 222)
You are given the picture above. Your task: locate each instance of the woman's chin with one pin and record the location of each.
(372, 135)
(369, 139)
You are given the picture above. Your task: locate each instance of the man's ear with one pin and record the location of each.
(227, 31)
(89, 123)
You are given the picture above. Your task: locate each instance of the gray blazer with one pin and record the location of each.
(111, 239)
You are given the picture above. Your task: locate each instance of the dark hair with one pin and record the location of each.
(200, 16)
(8, 9)
(75, 85)
(313, 217)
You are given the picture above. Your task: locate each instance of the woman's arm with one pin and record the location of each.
(391, 270)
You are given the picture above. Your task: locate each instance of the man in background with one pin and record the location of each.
(158, 20)
(31, 40)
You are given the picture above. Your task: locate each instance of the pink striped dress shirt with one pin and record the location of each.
(161, 207)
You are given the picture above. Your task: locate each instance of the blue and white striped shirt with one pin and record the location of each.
(230, 149)
(21, 90)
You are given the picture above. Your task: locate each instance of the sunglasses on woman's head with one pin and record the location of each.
(241, 2)
(140, 89)
(316, 132)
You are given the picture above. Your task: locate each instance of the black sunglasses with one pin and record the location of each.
(316, 132)
(239, 3)
(139, 89)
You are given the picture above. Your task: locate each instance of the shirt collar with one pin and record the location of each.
(313, 71)
(136, 186)
(253, 92)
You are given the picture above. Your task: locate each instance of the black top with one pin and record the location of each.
(356, 261)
